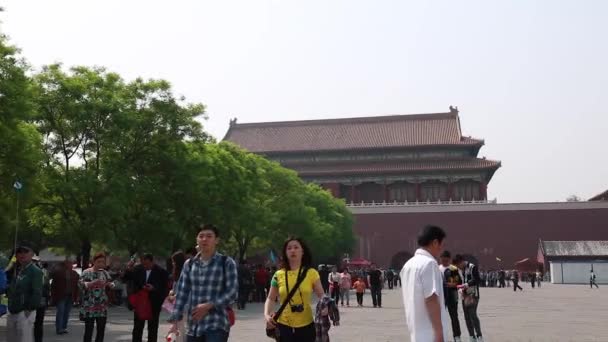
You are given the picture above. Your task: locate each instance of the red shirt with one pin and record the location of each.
(261, 277)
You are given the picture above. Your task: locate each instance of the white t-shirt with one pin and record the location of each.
(421, 279)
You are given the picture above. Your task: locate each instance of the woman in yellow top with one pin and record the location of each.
(296, 322)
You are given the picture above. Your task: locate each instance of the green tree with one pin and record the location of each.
(112, 149)
(19, 143)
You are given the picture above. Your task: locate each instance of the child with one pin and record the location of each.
(360, 289)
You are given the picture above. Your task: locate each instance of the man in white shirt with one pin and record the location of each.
(423, 297)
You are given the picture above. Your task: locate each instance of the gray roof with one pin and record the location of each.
(575, 248)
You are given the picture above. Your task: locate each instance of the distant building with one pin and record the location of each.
(570, 262)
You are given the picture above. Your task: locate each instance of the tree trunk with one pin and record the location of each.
(85, 252)
(243, 245)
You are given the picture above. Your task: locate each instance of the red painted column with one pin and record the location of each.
(483, 190)
(450, 191)
(418, 192)
(353, 193)
(385, 189)
(334, 188)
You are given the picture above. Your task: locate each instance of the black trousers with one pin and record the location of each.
(360, 299)
(376, 295)
(89, 323)
(138, 327)
(452, 306)
(516, 286)
(39, 324)
(471, 319)
(592, 282)
(335, 292)
(243, 298)
(390, 284)
(303, 334)
(260, 293)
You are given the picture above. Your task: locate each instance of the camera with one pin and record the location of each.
(297, 308)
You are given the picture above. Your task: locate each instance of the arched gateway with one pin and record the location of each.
(400, 259)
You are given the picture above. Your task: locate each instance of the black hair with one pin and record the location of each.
(429, 234)
(306, 255)
(458, 258)
(191, 251)
(178, 258)
(148, 256)
(445, 254)
(209, 226)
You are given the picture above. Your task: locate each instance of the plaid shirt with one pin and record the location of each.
(204, 282)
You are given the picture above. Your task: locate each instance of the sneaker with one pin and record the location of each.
(457, 339)
(479, 339)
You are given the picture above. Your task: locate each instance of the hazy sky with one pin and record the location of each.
(530, 77)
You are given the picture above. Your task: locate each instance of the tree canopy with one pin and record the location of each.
(126, 166)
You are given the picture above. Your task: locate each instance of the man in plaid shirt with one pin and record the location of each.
(208, 285)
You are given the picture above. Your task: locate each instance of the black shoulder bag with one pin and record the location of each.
(274, 332)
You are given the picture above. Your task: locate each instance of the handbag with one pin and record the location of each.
(274, 332)
(141, 304)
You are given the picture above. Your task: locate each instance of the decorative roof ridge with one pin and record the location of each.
(384, 161)
(358, 119)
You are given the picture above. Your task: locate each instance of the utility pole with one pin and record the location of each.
(18, 186)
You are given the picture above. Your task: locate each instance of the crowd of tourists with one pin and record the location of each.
(503, 278)
(198, 294)
(203, 284)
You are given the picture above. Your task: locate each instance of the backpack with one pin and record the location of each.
(2, 281)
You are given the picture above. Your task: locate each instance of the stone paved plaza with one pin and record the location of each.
(552, 313)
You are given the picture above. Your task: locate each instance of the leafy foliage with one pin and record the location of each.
(126, 166)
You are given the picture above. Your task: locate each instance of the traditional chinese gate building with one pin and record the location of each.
(390, 159)
(398, 173)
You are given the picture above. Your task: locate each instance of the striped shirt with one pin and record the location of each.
(206, 282)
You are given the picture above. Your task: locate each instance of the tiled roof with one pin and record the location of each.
(601, 197)
(442, 129)
(575, 248)
(359, 168)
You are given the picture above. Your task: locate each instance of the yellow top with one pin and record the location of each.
(302, 296)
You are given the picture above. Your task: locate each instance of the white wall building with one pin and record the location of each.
(571, 262)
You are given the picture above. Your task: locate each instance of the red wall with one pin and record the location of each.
(510, 235)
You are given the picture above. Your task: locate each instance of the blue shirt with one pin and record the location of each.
(206, 282)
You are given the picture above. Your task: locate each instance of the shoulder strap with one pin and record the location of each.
(224, 259)
(291, 294)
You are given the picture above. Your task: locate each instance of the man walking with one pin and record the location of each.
(44, 301)
(451, 280)
(592, 280)
(245, 280)
(149, 277)
(375, 281)
(24, 296)
(64, 292)
(516, 281)
(262, 278)
(389, 277)
(209, 286)
(423, 297)
(470, 300)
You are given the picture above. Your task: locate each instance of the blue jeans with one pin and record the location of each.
(63, 314)
(210, 336)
